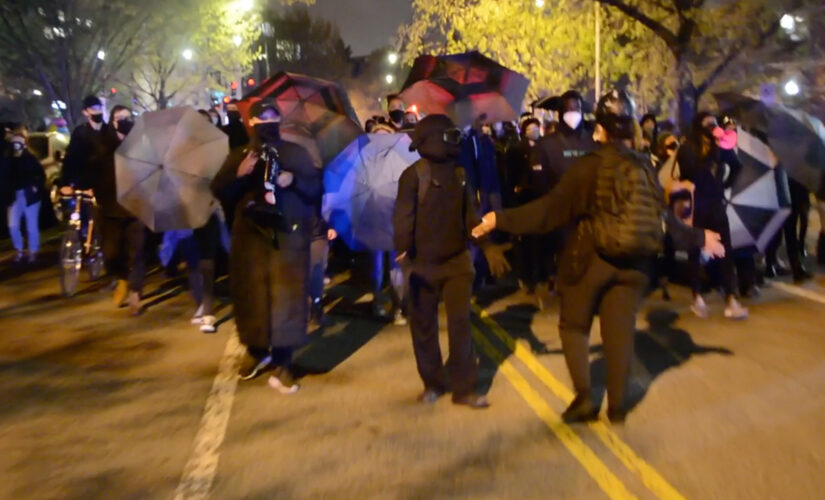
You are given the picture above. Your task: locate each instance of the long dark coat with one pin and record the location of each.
(269, 259)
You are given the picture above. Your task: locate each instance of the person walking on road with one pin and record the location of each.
(617, 207)
(24, 184)
(273, 186)
(433, 215)
(124, 236)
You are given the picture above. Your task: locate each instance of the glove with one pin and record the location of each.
(494, 253)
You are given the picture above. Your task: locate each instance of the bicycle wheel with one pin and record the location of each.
(94, 262)
(71, 260)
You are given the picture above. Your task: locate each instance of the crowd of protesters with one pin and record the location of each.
(539, 190)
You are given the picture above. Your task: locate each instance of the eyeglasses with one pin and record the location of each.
(452, 136)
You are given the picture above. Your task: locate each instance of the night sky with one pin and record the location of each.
(365, 24)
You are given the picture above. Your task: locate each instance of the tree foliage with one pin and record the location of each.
(554, 46)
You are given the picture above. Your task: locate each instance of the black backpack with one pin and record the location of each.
(628, 219)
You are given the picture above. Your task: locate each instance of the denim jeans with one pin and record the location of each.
(17, 211)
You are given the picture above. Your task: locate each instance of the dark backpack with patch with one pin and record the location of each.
(628, 219)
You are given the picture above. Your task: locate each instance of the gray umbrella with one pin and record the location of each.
(797, 138)
(165, 165)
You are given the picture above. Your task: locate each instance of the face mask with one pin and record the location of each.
(268, 132)
(124, 126)
(98, 118)
(534, 135)
(727, 139)
(17, 147)
(397, 115)
(572, 119)
(234, 116)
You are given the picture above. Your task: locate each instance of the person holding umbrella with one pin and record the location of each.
(124, 236)
(272, 186)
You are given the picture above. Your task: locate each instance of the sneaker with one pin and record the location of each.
(208, 324)
(399, 319)
(252, 367)
(120, 293)
(197, 319)
(283, 381)
(699, 308)
(735, 310)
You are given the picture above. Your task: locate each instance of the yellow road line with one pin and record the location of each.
(644, 471)
(606, 480)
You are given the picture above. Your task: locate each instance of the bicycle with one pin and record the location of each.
(79, 244)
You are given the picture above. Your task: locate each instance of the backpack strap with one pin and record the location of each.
(425, 178)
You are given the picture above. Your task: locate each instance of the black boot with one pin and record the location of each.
(582, 409)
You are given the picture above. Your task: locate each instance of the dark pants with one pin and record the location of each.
(539, 255)
(614, 294)
(714, 219)
(201, 251)
(800, 209)
(318, 257)
(123, 249)
(451, 282)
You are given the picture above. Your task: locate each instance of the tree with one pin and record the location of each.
(705, 37)
(304, 44)
(554, 46)
(70, 47)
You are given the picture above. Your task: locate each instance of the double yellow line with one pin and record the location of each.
(604, 477)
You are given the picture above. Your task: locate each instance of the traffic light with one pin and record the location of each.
(114, 91)
(250, 82)
(226, 99)
(234, 85)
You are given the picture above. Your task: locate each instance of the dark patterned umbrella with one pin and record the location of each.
(759, 200)
(797, 138)
(465, 86)
(315, 113)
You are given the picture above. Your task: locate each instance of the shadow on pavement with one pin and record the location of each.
(660, 348)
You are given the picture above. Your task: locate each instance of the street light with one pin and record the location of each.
(389, 78)
(101, 55)
(237, 40)
(37, 92)
(787, 22)
(539, 3)
(188, 54)
(246, 5)
(392, 57)
(791, 88)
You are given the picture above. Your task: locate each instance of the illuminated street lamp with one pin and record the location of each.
(237, 40)
(392, 57)
(791, 88)
(245, 5)
(101, 55)
(37, 92)
(188, 54)
(787, 22)
(539, 3)
(389, 79)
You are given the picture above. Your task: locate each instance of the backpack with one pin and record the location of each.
(628, 220)
(425, 179)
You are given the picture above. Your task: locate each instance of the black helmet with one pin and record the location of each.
(617, 102)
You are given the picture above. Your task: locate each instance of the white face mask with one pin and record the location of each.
(572, 119)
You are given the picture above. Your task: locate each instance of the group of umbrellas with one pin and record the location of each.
(165, 165)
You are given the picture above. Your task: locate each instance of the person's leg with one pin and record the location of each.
(378, 284)
(424, 328)
(461, 364)
(15, 213)
(617, 317)
(135, 234)
(820, 246)
(33, 228)
(207, 240)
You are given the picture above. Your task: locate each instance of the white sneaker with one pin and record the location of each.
(197, 319)
(208, 324)
(279, 386)
(735, 310)
(399, 319)
(699, 308)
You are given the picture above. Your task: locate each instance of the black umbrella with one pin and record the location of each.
(797, 138)
(465, 86)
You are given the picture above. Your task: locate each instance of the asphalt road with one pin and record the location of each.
(96, 404)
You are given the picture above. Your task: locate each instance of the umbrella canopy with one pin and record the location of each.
(165, 165)
(759, 200)
(361, 185)
(797, 138)
(465, 86)
(315, 113)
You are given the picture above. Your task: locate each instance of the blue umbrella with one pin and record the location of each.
(361, 185)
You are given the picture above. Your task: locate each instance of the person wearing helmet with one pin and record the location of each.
(605, 265)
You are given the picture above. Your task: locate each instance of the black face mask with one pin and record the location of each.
(98, 118)
(268, 132)
(234, 116)
(397, 115)
(124, 126)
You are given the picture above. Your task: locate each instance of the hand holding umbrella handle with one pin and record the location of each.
(248, 164)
